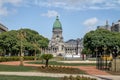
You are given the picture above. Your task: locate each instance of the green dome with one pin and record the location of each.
(57, 24)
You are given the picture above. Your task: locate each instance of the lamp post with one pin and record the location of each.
(105, 56)
(77, 46)
(115, 55)
(97, 62)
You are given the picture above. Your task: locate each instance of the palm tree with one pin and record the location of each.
(46, 57)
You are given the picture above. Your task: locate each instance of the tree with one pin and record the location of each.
(46, 57)
(34, 41)
(100, 38)
(10, 42)
(86, 52)
(7, 41)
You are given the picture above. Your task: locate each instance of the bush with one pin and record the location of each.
(5, 59)
(29, 57)
(15, 58)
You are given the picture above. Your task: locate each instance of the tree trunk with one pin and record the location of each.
(35, 55)
(46, 63)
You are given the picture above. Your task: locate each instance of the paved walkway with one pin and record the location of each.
(86, 61)
(98, 77)
(17, 63)
(44, 74)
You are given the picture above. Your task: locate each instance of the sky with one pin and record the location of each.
(76, 16)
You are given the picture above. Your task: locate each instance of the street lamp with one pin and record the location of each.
(97, 62)
(77, 46)
(115, 55)
(105, 57)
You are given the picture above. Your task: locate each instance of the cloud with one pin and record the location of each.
(79, 4)
(50, 13)
(4, 10)
(62, 4)
(91, 22)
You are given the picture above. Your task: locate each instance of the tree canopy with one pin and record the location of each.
(31, 40)
(46, 57)
(102, 39)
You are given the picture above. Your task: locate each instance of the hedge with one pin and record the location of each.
(15, 58)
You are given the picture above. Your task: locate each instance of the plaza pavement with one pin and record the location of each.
(44, 74)
(86, 61)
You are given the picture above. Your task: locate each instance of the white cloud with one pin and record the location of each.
(4, 11)
(79, 4)
(51, 13)
(12, 2)
(91, 22)
(62, 4)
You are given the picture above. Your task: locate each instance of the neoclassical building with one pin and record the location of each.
(115, 27)
(106, 26)
(3, 28)
(57, 46)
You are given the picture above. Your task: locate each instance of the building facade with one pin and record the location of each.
(114, 28)
(106, 26)
(3, 28)
(57, 46)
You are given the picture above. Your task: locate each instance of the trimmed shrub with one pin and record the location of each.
(29, 57)
(5, 59)
(15, 58)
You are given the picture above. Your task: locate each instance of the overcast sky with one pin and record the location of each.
(77, 16)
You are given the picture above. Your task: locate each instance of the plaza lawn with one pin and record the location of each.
(41, 69)
(6, 77)
(64, 64)
(17, 68)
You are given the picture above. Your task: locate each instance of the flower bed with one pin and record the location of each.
(61, 69)
(77, 78)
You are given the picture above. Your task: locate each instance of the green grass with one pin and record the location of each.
(16, 68)
(64, 64)
(38, 69)
(6, 77)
